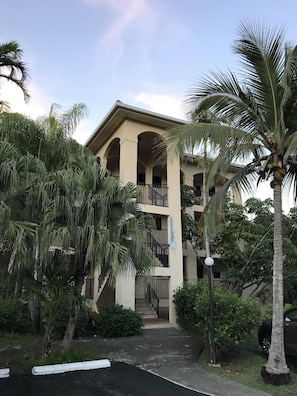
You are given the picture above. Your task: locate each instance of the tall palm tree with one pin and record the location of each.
(258, 124)
(58, 127)
(12, 68)
(17, 174)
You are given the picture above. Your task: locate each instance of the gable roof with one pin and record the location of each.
(120, 112)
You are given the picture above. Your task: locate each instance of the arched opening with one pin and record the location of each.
(113, 158)
(151, 176)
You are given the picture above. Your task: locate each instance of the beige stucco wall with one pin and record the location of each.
(126, 137)
(128, 133)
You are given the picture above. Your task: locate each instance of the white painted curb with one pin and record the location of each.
(63, 368)
(4, 373)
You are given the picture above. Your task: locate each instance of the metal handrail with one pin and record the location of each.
(158, 249)
(153, 194)
(153, 299)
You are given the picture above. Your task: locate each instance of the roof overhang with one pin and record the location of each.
(121, 112)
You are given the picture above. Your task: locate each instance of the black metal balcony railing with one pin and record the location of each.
(153, 195)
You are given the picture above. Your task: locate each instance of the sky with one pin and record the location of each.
(146, 53)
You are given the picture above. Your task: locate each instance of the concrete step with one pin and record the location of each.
(149, 316)
(145, 309)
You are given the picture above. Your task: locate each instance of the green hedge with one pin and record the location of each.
(14, 317)
(234, 317)
(116, 321)
(81, 328)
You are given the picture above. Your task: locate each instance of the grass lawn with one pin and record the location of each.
(244, 367)
(22, 352)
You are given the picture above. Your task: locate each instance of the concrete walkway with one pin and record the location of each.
(170, 353)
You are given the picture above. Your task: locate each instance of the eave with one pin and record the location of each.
(121, 112)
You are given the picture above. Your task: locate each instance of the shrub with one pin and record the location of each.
(267, 314)
(116, 321)
(81, 328)
(14, 316)
(184, 299)
(234, 317)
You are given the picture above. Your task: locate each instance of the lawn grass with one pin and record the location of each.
(27, 362)
(16, 339)
(21, 352)
(244, 368)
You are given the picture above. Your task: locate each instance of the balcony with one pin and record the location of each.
(153, 194)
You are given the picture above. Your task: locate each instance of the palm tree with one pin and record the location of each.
(90, 221)
(17, 174)
(12, 68)
(58, 127)
(258, 124)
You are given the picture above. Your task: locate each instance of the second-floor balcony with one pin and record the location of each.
(156, 195)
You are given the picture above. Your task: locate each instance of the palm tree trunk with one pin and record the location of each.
(69, 332)
(34, 310)
(276, 371)
(73, 316)
(48, 333)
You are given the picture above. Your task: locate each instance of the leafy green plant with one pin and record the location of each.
(27, 362)
(184, 300)
(234, 317)
(116, 321)
(14, 316)
(269, 311)
(81, 328)
(243, 368)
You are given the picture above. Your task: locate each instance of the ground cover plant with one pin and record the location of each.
(243, 367)
(24, 361)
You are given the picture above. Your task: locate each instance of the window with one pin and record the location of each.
(200, 269)
(158, 221)
(198, 191)
(157, 181)
(292, 316)
(141, 179)
(212, 191)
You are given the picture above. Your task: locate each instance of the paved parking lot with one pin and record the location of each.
(119, 380)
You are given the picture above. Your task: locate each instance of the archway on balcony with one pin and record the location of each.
(112, 157)
(151, 176)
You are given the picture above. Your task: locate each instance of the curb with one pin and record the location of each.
(4, 373)
(66, 367)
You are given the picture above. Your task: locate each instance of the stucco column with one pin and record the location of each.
(125, 281)
(125, 288)
(128, 161)
(174, 233)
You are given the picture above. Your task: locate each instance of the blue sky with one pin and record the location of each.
(146, 53)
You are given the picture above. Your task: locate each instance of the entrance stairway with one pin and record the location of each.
(145, 309)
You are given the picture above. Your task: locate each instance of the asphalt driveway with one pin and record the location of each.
(119, 380)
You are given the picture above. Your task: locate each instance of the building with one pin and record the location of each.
(124, 142)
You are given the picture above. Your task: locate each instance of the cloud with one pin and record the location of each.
(38, 105)
(136, 17)
(170, 105)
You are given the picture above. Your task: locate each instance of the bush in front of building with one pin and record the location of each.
(185, 300)
(82, 325)
(234, 317)
(14, 316)
(116, 321)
